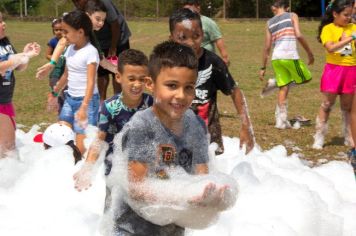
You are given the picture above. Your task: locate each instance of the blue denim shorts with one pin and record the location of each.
(71, 106)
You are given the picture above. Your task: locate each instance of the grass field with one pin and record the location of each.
(244, 42)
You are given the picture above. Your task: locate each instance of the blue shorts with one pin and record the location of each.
(71, 106)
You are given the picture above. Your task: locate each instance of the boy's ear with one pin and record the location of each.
(81, 31)
(149, 83)
(118, 77)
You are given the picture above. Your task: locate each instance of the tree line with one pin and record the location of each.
(163, 8)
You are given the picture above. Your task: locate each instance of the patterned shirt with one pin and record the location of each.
(114, 114)
(283, 37)
(7, 81)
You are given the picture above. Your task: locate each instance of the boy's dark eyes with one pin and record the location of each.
(171, 86)
(190, 87)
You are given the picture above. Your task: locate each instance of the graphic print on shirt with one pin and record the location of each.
(167, 156)
(203, 77)
(4, 56)
(345, 50)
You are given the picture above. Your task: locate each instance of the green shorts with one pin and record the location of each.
(288, 71)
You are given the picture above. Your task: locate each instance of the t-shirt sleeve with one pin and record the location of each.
(52, 43)
(137, 143)
(93, 56)
(201, 155)
(214, 31)
(326, 35)
(104, 118)
(222, 77)
(196, 138)
(111, 14)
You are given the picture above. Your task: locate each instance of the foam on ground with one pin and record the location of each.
(278, 194)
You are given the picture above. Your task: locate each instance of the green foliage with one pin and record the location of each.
(150, 8)
(12, 7)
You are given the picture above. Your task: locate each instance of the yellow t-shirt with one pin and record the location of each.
(345, 56)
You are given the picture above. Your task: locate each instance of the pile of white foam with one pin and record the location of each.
(277, 194)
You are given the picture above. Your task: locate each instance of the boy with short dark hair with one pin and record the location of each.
(116, 111)
(162, 138)
(212, 35)
(186, 28)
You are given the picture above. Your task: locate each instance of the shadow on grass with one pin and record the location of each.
(335, 141)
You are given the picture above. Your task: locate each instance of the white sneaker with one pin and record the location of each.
(318, 141)
(283, 125)
(269, 87)
(319, 137)
(281, 118)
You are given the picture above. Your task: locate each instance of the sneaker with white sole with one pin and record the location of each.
(269, 87)
(318, 141)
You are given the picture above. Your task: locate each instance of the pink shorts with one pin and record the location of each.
(338, 79)
(8, 109)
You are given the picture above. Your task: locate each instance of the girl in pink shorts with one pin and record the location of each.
(338, 35)
(10, 61)
(8, 110)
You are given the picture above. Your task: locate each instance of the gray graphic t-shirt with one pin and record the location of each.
(146, 140)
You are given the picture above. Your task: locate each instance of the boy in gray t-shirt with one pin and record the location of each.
(161, 138)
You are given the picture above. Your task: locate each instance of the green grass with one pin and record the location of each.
(244, 42)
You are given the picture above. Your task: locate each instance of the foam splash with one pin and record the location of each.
(278, 194)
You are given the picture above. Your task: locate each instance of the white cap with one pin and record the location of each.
(57, 135)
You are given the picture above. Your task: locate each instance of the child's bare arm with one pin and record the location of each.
(61, 82)
(108, 65)
(201, 169)
(19, 61)
(301, 39)
(49, 52)
(83, 177)
(266, 52)
(81, 115)
(96, 147)
(44, 70)
(91, 74)
(246, 132)
(332, 46)
(222, 49)
(137, 174)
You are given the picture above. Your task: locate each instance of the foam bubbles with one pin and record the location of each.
(278, 195)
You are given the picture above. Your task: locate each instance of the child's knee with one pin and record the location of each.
(327, 106)
(345, 106)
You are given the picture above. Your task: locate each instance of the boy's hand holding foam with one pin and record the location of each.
(212, 196)
(83, 178)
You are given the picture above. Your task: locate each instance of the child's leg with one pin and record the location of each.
(345, 104)
(7, 134)
(282, 109)
(322, 119)
(103, 83)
